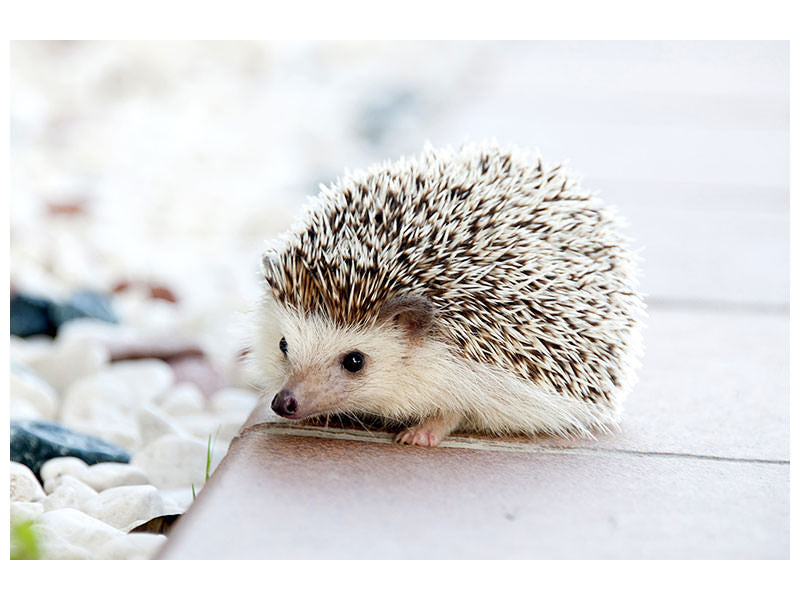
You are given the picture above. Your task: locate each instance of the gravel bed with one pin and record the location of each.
(164, 433)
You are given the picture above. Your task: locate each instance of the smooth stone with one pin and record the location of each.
(54, 547)
(160, 524)
(221, 428)
(103, 476)
(22, 410)
(133, 546)
(63, 465)
(106, 334)
(155, 290)
(26, 350)
(103, 405)
(82, 305)
(173, 461)
(177, 500)
(173, 508)
(24, 487)
(166, 350)
(69, 361)
(118, 430)
(125, 507)
(30, 389)
(25, 511)
(30, 315)
(184, 398)
(69, 206)
(199, 371)
(70, 533)
(99, 477)
(67, 492)
(35, 442)
(234, 401)
(154, 423)
(147, 378)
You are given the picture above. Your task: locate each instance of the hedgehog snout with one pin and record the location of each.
(285, 404)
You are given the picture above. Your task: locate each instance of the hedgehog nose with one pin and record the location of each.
(284, 403)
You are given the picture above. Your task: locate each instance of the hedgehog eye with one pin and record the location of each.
(353, 362)
(283, 346)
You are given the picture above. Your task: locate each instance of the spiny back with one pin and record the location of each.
(526, 271)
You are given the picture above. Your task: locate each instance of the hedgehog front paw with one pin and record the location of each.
(429, 433)
(421, 435)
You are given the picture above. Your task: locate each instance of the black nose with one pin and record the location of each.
(284, 403)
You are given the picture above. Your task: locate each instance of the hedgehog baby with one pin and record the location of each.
(472, 290)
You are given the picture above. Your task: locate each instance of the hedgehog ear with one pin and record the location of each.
(412, 314)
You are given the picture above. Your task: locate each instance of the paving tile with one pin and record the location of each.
(716, 243)
(712, 383)
(672, 112)
(282, 496)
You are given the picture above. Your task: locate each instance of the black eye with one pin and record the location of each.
(353, 362)
(283, 345)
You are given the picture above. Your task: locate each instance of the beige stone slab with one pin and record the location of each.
(712, 383)
(278, 495)
(724, 244)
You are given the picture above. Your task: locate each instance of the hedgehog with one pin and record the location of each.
(471, 290)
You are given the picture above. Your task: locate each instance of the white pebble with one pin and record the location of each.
(221, 428)
(54, 547)
(154, 423)
(62, 465)
(177, 500)
(97, 331)
(24, 487)
(99, 477)
(147, 378)
(29, 388)
(127, 506)
(67, 492)
(102, 405)
(22, 410)
(184, 398)
(199, 426)
(134, 546)
(69, 533)
(234, 401)
(173, 461)
(69, 361)
(25, 511)
(30, 349)
(103, 476)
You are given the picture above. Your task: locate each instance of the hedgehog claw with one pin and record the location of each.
(421, 435)
(429, 433)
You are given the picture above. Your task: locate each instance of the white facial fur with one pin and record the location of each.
(312, 367)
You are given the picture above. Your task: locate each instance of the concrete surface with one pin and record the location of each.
(283, 495)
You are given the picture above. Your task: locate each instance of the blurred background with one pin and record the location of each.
(174, 162)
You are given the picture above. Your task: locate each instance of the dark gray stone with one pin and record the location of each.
(33, 315)
(82, 305)
(30, 315)
(35, 442)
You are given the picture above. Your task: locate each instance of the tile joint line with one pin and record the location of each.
(484, 444)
